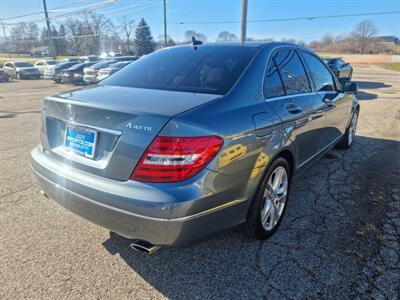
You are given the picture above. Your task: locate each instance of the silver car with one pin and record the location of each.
(191, 140)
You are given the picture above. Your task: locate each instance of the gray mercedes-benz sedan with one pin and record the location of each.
(191, 140)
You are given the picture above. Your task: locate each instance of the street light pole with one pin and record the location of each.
(53, 54)
(243, 24)
(165, 23)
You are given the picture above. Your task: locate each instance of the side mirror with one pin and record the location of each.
(350, 87)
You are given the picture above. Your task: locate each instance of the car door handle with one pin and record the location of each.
(292, 108)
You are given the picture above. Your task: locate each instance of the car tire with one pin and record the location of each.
(260, 223)
(348, 138)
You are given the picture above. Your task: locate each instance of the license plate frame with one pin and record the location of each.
(76, 144)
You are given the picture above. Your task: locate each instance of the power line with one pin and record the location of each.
(70, 14)
(293, 19)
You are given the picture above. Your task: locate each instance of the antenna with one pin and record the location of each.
(196, 42)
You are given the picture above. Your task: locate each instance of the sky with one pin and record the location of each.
(204, 15)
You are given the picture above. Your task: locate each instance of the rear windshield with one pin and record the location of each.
(102, 64)
(65, 65)
(22, 65)
(212, 69)
(120, 64)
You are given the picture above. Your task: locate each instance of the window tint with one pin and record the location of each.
(205, 69)
(320, 75)
(293, 74)
(23, 65)
(272, 83)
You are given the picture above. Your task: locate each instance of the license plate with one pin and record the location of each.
(81, 140)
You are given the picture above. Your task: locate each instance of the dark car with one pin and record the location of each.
(74, 74)
(55, 71)
(190, 140)
(342, 70)
(21, 70)
(3, 76)
(115, 67)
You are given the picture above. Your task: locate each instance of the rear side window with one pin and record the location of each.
(320, 74)
(205, 69)
(292, 71)
(273, 86)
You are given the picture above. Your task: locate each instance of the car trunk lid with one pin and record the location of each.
(125, 121)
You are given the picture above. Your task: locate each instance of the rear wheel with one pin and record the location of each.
(348, 138)
(269, 205)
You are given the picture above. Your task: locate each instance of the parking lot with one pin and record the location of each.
(340, 238)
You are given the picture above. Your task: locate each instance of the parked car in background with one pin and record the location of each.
(342, 70)
(188, 141)
(43, 65)
(74, 74)
(21, 70)
(90, 74)
(115, 67)
(89, 58)
(125, 58)
(3, 76)
(55, 72)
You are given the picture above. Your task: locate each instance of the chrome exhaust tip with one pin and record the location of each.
(144, 247)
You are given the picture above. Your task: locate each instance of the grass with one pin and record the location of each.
(395, 49)
(395, 66)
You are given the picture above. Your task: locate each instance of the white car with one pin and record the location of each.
(44, 65)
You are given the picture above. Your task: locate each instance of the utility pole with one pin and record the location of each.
(53, 54)
(165, 23)
(243, 23)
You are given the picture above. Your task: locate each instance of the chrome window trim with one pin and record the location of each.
(271, 52)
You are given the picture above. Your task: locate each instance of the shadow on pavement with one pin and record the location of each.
(332, 230)
(367, 85)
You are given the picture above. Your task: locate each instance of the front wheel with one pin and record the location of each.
(348, 138)
(269, 205)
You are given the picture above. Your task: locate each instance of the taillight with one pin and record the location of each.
(171, 159)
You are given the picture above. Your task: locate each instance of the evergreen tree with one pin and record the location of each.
(143, 42)
(62, 42)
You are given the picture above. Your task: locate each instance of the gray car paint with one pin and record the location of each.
(255, 131)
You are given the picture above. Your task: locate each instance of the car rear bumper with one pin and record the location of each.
(175, 216)
(90, 79)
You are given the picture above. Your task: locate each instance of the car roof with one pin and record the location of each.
(257, 44)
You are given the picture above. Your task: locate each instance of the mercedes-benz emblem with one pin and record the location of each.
(71, 114)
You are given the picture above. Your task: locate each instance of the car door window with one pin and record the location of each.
(273, 86)
(319, 73)
(292, 71)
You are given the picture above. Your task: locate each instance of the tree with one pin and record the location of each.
(95, 26)
(363, 35)
(327, 39)
(160, 42)
(198, 35)
(124, 32)
(226, 36)
(143, 42)
(23, 37)
(61, 41)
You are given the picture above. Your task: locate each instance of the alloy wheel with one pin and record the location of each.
(274, 198)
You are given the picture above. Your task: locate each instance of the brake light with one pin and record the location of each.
(171, 159)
